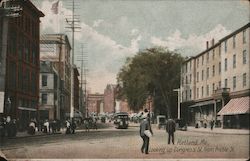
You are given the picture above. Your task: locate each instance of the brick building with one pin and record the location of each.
(22, 63)
(109, 98)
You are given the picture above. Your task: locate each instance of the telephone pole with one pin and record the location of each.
(73, 23)
(83, 59)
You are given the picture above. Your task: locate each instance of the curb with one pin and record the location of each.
(31, 136)
(212, 132)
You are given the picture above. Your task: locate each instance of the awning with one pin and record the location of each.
(199, 104)
(25, 108)
(236, 106)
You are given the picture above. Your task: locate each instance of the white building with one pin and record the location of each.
(217, 78)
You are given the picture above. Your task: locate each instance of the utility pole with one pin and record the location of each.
(83, 59)
(73, 23)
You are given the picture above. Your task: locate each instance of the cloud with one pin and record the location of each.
(176, 41)
(97, 23)
(134, 32)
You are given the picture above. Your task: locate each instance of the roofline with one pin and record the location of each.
(235, 32)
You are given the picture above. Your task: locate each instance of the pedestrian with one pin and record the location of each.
(94, 123)
(212, 124)
(2, 130)
(8, 126)
(67, 127)
(170, 129)
(73, 127)
(86, 123)
(145, 131)
(46, 126)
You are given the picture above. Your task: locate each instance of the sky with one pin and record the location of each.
(112, 30)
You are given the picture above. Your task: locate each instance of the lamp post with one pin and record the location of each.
(179, 102)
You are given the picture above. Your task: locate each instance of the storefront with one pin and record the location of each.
(235, 114)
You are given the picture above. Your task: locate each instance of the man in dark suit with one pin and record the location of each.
(145, 125)
(170, 128)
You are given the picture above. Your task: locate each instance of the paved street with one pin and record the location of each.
(126, 143)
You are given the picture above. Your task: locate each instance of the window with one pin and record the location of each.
(207, 90)
(197, 76)
(225, 45)
(202, 91)
(207, 57)
(207, 72)
(190, 65)
(197, 62)
(213, 70)
(213, 54)
(213, 87)
(234, 82)
(225, 83)
(219, 84)
(44, 98)
(197, 92)
(234, 44)
(219, 67)
(190, 94)
(225, 64)
(202, 75)
(244, 79)
(202, 59)
(186, 80)
(244, 36)
(219, 50)
(244, 57)
(190, 78)
(44, 80)
(234, 61)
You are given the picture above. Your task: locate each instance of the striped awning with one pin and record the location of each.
(236, 106)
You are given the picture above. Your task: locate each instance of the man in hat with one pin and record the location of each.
(170, 128)
(145, 125)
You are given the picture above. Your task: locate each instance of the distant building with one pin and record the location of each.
(109, 98)
(216, 83)
(49, 92)
(94, 102)
(124, 107)
(22, 63)
(56, 48)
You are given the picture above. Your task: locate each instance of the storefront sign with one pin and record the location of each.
(1, 101)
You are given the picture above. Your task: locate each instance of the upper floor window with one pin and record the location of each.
(202, 75)
(234, 82)
(213, 54)
(190, 78)
(197, 92)
(244, 79)
(219, 67)
(207, 90)
(213, 70)
(190, 94)
(44, 80)
(207, 72)
(219, 50)
(207, 57)
(186, 80)
(225, 65)
(244, 57)
(197, 62)
(244, 36)
(234, 61)
(225, 83)
(219, 84)
(44, 98)
(213, 87)
(197, 76)
(202, 60)
(225, 45)
(234, 43)
(202, 91)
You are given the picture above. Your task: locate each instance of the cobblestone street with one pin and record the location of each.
(126, 143)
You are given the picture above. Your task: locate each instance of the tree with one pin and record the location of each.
(155, 72)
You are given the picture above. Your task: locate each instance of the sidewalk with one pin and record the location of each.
(219, 131)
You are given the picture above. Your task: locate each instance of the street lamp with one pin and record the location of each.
(179, 102)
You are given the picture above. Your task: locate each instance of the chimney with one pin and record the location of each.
(212, 42)
(207, 44)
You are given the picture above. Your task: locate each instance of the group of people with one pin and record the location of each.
(90, 122)
(8, 127)
(146, 131)
(70, 126)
